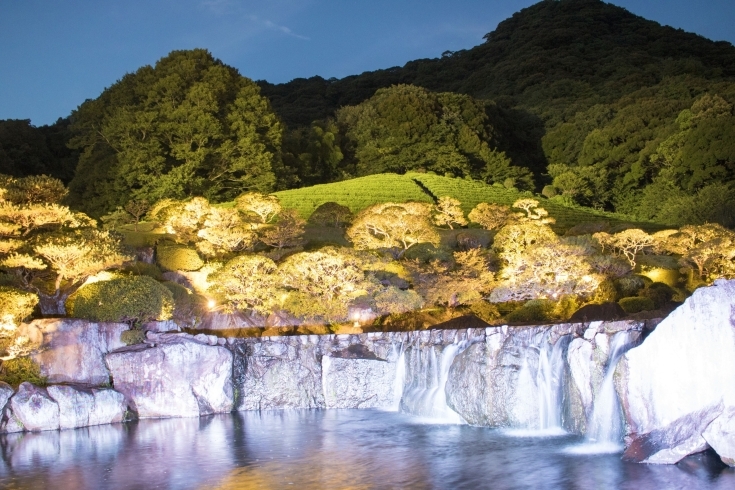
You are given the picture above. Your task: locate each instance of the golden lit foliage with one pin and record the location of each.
(492, 216)
(74, 257)
(464, 280)
(246, 282)
(288, 231)
(627, 242)
(265, 208)
(393, 225)
(327, 279)
(448, 212)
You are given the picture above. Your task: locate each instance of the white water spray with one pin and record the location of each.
(605, 431)
(539, 390)
(425, 394)
(400, 379)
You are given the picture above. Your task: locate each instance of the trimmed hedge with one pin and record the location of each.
(636, 304)
(136, 299)
(15, 371)
(178, 258)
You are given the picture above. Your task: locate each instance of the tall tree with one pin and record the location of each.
(189, 126)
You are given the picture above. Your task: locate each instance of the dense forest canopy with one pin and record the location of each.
(188, 126)
(580, 98)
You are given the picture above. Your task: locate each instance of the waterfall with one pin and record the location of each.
(425, 393)
(539, 390)
(605, 431)
(400, 379)
(549, 380)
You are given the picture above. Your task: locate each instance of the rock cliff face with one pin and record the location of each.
(676, 388)
(72, 351)
(175, 376)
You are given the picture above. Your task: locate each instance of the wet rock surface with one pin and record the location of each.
(174, 376)
(358, 383)
(681, 369)
(34, 408)
(72, 351)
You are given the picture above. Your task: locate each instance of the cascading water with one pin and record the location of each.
(539, 387)
(549, 380)
(425, 394)
(605, 432)
(400, 379)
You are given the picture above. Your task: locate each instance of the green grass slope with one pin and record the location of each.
(359, 193)
(356, 194)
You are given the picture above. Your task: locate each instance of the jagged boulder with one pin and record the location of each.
(358, 383)
(6, 391)
(282, 373)
(72, 350)
(687, 365)
(82, 407)
(175, 376)
(34, 408)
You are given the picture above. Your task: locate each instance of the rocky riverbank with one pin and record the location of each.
(674, 386)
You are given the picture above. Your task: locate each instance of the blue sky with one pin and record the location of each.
(55, 54)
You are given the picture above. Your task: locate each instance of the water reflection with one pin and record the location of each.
(325, 449)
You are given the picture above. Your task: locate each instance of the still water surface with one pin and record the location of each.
(356, 449)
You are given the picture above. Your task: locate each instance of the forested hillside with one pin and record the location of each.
(579, 100)
(617, 112)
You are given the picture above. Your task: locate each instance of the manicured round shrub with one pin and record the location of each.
(16, 304)
(659, 293)
(535, 310)
(135, 299)
(629, 285)
(178, 258)
(15, 371)
(331, 214)
(636, 304)
(144, 269)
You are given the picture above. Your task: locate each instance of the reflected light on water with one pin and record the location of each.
(324, 449)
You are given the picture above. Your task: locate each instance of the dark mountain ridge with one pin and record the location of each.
(553, 58)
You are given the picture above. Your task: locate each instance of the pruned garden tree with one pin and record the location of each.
(288, 231)
(393, 226)
(462, 281)
(448, 212)
(247, 282)
(323, 283)
(492, 216)
(548, 270)
(627, 243)
(264, 208)
(331, 214)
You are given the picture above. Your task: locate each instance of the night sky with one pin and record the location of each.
(55, 54)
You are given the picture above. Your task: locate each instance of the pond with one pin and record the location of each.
(357, 449)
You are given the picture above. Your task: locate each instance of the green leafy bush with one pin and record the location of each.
(636, 304)
(659, 293)
(178, 258)
(535, 310)
(131, 337)
(629, 285)
(144, 269)
(134, 299)
(188, 306)
(16, 303)
(15, 371)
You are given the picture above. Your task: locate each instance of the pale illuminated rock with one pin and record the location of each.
(177, 376)
(685, 366)
(34, 408)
